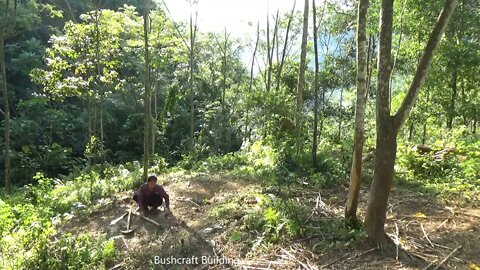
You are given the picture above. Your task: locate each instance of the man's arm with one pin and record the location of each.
(164, 194)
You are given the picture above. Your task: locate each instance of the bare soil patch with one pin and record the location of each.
(426, 229)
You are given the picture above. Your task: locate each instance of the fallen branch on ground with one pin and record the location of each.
(445, 259)
(422, 217)
(117, 266)
(147, 219)
(183, 199)
(426, 236)
(347, 259)
(297, 260)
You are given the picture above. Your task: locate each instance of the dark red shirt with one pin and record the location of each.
(146, 195)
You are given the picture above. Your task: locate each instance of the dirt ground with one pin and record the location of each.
(426, 230)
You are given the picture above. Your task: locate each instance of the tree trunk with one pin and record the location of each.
(451, 110)
(247, 134)
(193, 32)
(385, 154)
(270, 54)
(475, 119)
(284, 52)
(340, 117)
(146, 99)
(224, 121)
(90, 131)
(424, 132)
(6, 108)
(370, 62)
(97, 76)
(301, 76)
(387, 125)
(362, 70)
(154, 123)
(315, 87)
(410, 132)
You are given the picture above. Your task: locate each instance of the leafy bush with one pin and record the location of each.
(451, 175)
(29, 216)
(72, 252)
(334, 234)
(275, 219)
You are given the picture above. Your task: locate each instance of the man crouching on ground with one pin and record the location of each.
(151, 195)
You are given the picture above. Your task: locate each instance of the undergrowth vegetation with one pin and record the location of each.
(29, 218)
(32, 214)
(266, 220)
(450, 170)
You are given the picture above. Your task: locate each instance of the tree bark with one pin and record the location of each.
(301, 76)
(453, 99)
(340, 116)
(362, 70)
(475, 119)
(411, 129)
(224, 90)
(315, 86)
(425, 62)
(193, 32)
(6, 110)
(424, 132)
(385, 154)
(284, 51)
(270, 54)
(387, 125)
(247, 134)
(146, 99)
(97, 76)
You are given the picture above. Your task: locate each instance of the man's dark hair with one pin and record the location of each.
(152, 178)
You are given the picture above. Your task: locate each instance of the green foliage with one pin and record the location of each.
(266, 219)
(334, 234)
(226, 162)
(275, 219)
(72, 252)
(29, 217)
(452, 175)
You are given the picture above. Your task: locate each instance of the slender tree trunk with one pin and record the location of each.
(154, 127)
(340, 117)
(301, 77)
(224, 121)
(90, 131)
(247, 134)
(370, 63)
(387, 125)
(410, 132)
(315, 86)
(6, 111)
(284, 51)
(146, 99)
(358, 137)
(424, 132)
(270, 54)
(464, 102)
(451, 110)
(475, 119)
(97, 78)
(193, 31)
